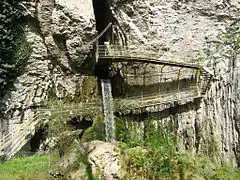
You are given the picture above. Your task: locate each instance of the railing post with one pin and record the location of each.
(95, 53)
(107, 49)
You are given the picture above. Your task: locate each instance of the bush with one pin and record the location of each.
(14, 49)
(155, 156)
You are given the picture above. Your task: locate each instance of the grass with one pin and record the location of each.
(26, 168)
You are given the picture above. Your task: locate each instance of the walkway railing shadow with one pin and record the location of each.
(136, 102)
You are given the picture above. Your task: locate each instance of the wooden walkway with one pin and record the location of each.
(114, 53)
(136, 103)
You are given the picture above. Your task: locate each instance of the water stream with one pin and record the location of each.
(108, 109)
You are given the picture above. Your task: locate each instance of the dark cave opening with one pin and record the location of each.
(103, 16)
(37, 139)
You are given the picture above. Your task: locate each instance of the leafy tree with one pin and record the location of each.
(14, 49)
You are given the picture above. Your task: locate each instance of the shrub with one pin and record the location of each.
(14, 49)
(156, 155)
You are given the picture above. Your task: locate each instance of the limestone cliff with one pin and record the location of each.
(182, 30)
(61, 32)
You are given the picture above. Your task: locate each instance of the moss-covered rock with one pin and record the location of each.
(88, 92)
(96, 132)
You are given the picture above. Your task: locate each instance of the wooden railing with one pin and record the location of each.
(140, 54)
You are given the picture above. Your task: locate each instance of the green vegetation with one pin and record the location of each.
(157, 155)
(60, 125)
(27, 168)
(14, 49)
(227, 45)
(58, 128)
(96, 131)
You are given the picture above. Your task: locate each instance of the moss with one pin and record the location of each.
(88, 92)
(120, 130)
(96, 132)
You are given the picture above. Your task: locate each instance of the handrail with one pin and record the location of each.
(167, 101)
(70, 109)
(116, 51)
(98, 36)
(63, 107)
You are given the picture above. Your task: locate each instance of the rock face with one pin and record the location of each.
(105, 158)
(182, 30)
(177, 29)
(60, 33)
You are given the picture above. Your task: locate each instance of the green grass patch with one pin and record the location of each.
(27, 168)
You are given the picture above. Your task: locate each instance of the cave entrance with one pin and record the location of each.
(37, 139)
(103, 16)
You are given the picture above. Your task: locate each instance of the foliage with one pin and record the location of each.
(14, 49)
(27, 168)
(96, 132)
(120, 129)
(232, 37)
(64, 118)
(157, 156)
(226, 172)
(227, 44)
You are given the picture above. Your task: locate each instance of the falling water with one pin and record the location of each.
(108, 109)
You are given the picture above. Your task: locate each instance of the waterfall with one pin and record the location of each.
(108, 109)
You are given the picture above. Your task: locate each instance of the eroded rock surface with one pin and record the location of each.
(60, 33)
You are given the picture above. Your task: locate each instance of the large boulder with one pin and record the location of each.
(91, 159)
